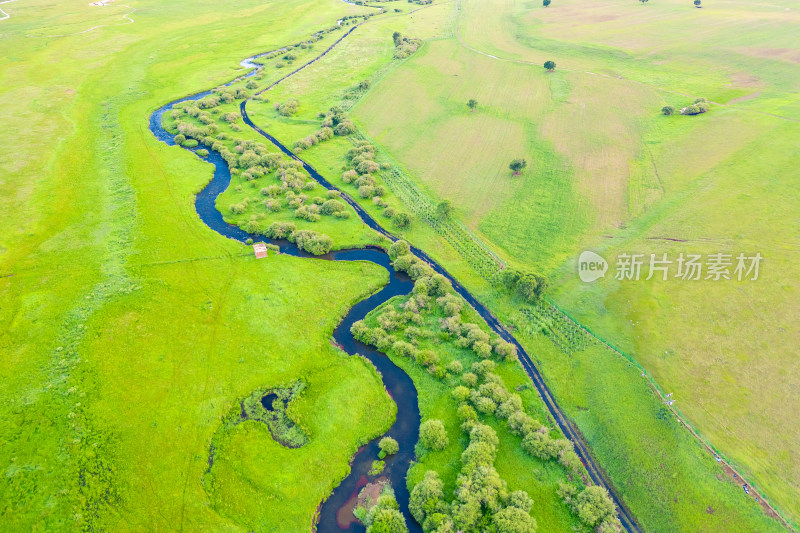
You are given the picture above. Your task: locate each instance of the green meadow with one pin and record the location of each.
(129, 330)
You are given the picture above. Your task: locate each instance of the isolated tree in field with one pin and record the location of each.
(432, 435)
(668, 110)
(517, 165)
(444, 209)
(545, 3)
(550, 65)
(388, 446)
(401, 220)
(697, 3)
(643, 1)
(472, 104)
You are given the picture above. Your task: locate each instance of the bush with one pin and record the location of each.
(668, 110)
(230, 117)
(190, 143)
(345, 128)
(469, 379)
(280, 230)
(513, 519)
(332, 207)
(550, 65)
(388, 446)
(288, 108)
(401, 220)
(313, 242)
(308, 212)
(202, 152)
(460, 394)
(179, 139)
(455, 367)
(427, 497)
(433, 436)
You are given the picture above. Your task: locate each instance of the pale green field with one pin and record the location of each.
(608, 172)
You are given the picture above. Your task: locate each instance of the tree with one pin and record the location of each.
(514, 520)
(643, 1)
(668, 109)
(433, 435)
(545, 3)
(444, 209)
(472, 104)
(517, 165)
(401, 220)
(594, 505)
(531, 286)
(550, 65)
(427, 497)
(697, 3)
(388, 446)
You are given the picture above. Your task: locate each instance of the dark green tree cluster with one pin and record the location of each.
(527, 285)
(593, 505)
(482, 501)
(700, 106)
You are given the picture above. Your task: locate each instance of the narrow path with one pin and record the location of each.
(207, 211)
(5, 15)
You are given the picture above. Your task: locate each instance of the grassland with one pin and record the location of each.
(131, 329)
(603, 159)
(128, 328)
(609, 173)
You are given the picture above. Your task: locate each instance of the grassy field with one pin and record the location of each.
(128, 328)
(608, 172)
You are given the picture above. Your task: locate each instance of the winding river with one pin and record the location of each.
(399, 385)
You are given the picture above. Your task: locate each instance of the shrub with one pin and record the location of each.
(190, 143)
(202, 152)
(427, 497)
(433, 436)
(388, 446)
(521, 424)
(331, 207)
(367, 167)
(455, 367)
(399, 248)
(345, 128)
(179, 139)
(505, 350)
(550, 65)
(308, 212)
(280, 230)
(313, 242)
(513, 519)
(469, 379)
(288, 108)
(365, 191)
(401, 220)
(349, 176)
(230, 117)
(668, 110)
(460, 394)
